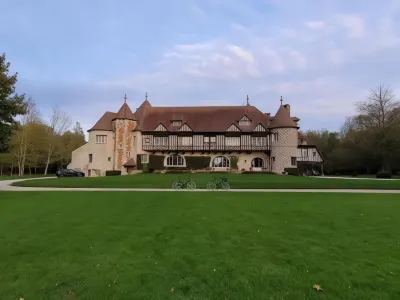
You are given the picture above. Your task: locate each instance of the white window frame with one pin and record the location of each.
(128, 154)
(101, 139)
(232, 141)
(226, 162)
(144, 158)
(175, 161)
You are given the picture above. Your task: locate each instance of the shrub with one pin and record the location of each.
(292, 171)
(197, 162)
(258, 172)
(177, 171)
(113, 173)
(234, 162)
(156, 162)
(145, 168)
(383, 174)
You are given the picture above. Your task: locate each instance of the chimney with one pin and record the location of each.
(287, 107)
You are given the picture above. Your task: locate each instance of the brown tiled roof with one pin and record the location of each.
(200, 118)
(105, 122)
(282, 119)
(125, 113)
(130, 163)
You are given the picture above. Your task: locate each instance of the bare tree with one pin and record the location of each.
(22, 135)
(59, 123)
(378, 110)
(379, 118)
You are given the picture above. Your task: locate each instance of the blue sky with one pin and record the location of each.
(321, 56)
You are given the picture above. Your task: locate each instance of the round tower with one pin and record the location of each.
(284, 140)
(123, 125)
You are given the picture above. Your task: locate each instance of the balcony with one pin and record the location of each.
(206, 147)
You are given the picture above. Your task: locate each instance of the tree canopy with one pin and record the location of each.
(11, 104)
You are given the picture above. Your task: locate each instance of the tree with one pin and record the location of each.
(22, 135)
(11, 104)
(379, 120)
(59, 123)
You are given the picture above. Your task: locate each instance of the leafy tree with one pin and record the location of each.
(11, 104)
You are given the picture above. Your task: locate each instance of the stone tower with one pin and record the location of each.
(284, 140)
(123, 125)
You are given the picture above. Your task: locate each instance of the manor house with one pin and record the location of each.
(126, 140)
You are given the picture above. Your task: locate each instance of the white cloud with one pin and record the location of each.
(354, 25)
(247, 56)
(315, 24)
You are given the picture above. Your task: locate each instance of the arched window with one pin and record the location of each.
(221, 162)
(174, 160)
(257, 162)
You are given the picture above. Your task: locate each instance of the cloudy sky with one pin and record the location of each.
(320, 55)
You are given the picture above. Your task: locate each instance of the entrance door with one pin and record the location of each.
(257, 164)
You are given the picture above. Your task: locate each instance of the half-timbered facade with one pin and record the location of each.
(253, 139)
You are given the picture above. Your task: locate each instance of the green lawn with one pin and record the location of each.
(9, 177)
(141, 245)
(237, 181)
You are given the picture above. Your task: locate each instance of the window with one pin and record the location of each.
(176, 122)
(160, 141)
(232, 141)
(90, 158)
(174, 161)
(273, 158)
(144, 158)
(101, 139)
(210, 139)
(121, 145)
(128, 154)
(147, 140)
(134, 141)
(293, 161)
(259, 141)
(221, 162)
(314, 153)
(276, 136)
(257, 162)
(185, 141)
(244, 121)
(109, 159)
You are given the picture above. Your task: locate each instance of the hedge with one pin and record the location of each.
(113, 173)
(156, 162)
(197, 162)
(292, 171)
(258, 172)
(384, 175)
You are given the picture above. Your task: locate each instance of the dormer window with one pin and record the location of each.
(176, 122)
(245, 121)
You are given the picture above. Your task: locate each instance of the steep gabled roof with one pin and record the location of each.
(105, 122)
(199, 118)
(125, 113)
(282, 119)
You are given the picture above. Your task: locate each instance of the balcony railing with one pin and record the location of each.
(206, 147)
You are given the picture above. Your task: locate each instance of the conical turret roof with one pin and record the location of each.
(282, 119)
(125, 113)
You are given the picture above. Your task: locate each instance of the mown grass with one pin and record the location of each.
(236, 181)
(12, 177)
(133, 245)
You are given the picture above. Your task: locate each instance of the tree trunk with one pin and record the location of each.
(1, 170)
(48, 160)
(12, 168)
